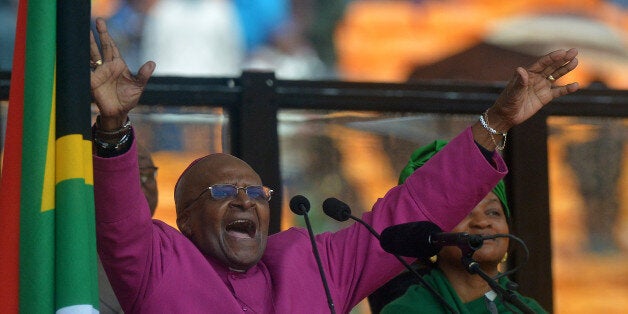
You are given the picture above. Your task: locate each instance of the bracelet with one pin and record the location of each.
(112, 143)
(484, 122)
(491, 131)
(117, 146)
(125, 128)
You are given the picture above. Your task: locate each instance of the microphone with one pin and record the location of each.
(340, 211)
(300, 205)
(336, 209)
(424, 239)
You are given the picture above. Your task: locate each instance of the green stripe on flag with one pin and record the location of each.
(75, 270)
(37, 275)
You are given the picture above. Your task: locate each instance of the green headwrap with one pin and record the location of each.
(422, 154)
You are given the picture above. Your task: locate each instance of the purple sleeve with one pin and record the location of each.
(443, 191)
(123, 233)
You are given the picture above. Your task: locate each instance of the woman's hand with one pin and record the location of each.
(116, 91)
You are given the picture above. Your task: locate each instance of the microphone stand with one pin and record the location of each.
(509, 296)
(330, 301)
(408, 267)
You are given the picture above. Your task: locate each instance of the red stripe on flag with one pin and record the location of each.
(11, 175)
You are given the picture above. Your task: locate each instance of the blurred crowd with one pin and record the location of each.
(293, 38)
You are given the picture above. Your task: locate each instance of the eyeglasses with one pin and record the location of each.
(256, 192)
(147, 173)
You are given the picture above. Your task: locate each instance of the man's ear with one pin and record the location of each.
(183, 222)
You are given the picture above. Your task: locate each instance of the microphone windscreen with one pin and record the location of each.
(410, 239)
(336, 209)
(299, 205)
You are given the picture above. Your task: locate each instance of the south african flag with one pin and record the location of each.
(47, 228)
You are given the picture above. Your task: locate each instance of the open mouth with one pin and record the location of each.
(241, 228)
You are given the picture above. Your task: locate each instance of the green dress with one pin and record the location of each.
(418, 299)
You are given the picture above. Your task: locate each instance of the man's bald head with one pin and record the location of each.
(230, 227)
(195, 178)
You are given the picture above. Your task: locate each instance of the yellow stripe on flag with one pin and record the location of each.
(48, 189)
(76, 159)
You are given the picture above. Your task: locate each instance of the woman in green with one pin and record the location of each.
(465, 292)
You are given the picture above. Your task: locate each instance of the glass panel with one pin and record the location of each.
(176, 136)
(588, 171)
(353, 156)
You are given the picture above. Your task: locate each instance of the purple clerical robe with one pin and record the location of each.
(153, 268)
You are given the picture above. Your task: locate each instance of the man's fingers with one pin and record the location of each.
(550, 63)
(145, 72)
(94, 53)
(571, 53)
(559, 91)
(106, 42)
(570, 88)
(566, 68)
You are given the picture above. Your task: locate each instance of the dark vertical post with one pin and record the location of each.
(254, 134)
(528, 184)
(74, 198)
(73, 72)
